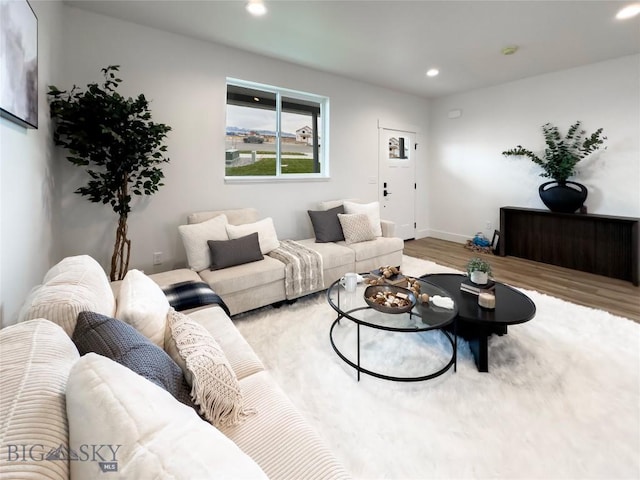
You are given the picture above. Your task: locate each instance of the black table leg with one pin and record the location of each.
(480, 350)
(455, 345)
(478, 338)
(358, 329)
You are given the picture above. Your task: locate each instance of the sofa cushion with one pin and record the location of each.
(326, 226)
(122, 343)
(243, 277)
(174, 276)
(240, 355)
(266, 233)
(143, 305)
(375, 248)
(356, 227)
(371, 210)
(278, 438)
(388, 228)
(163, 278)
(335, 203)
(36, 357)
(333, 254)
(214, 385)
(157, 436)
(236, 216)
(195, 236)
(73, 285)
(228, 253)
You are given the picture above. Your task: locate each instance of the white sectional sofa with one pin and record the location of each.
(55, 404)
(256, 284)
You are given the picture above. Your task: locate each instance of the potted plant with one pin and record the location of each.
(113, 137)
(559, 161)
(479, 270)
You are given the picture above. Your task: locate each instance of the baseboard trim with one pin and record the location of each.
(422, 233)
(452, 237)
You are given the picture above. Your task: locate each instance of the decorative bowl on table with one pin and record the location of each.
(389, 298)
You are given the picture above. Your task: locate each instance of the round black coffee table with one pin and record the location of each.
(476, 324)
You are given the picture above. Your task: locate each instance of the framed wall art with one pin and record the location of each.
(19, 63)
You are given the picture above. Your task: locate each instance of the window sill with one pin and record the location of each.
(281, 179)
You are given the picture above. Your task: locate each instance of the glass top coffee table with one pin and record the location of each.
(352, 307)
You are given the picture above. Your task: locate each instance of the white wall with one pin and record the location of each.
(185, 79)
(27, 249)
(469, 179)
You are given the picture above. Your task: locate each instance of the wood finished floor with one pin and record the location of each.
(616, 296)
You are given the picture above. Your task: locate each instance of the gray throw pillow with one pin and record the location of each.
(326, 225)
(227, 253)
(114, 339)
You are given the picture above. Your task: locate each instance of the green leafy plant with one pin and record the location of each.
(113, 137)
(561, 154)
(477, 264)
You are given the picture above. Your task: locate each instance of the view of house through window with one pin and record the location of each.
(274, 132)
(399, 147)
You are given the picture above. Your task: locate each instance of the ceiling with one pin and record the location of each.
(393, 43)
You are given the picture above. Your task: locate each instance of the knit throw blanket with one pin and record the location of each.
(303, 268)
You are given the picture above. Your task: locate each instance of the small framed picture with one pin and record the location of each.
(495, 242)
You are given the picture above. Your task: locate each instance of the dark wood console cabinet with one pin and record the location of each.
(599, 244)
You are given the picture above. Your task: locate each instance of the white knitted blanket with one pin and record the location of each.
(303, 271)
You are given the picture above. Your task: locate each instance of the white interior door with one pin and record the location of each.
(397, 167)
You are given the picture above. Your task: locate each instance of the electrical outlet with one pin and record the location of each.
(489, 226)
(157, 258)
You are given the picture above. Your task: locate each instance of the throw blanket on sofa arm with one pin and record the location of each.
(303, 268)
(192, 294)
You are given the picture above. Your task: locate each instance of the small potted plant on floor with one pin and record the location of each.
(479, 270)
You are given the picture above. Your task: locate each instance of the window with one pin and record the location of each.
(399, 147)
(274, 133)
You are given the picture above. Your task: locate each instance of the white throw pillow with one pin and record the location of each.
(214, 385)
(147, 432)
(143, 305)
(73, 285)
(35, 360)
(267, 236)
(371, 210)
(195, 236)
(356, 227)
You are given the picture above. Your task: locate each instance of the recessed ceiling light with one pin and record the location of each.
(256, 7)
(432, 72)
(629, 11)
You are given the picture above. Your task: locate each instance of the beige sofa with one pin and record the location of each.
(256, 284)
(51, 399)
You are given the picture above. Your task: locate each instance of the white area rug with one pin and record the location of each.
(561, 399)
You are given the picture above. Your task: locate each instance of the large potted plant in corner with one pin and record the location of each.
(113, 137)
(559, 161)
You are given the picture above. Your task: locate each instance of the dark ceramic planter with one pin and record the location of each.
(563, 197)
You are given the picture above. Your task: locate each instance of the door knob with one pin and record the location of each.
(385, 193)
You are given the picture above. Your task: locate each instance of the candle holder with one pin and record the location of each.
(487, 300)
